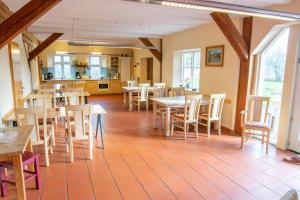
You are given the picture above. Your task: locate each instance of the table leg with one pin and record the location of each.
(167, 121)
(19, 177)
(130, 101)
(124, 98)
(154, 115)
(97, 126)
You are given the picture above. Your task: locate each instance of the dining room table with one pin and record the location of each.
(128, 92)
(168, 103)
(13, 143)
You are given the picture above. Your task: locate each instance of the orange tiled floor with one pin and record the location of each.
(139, 163)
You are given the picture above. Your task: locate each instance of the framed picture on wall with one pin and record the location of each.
(214, 56)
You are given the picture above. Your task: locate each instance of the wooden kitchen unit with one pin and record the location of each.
(94, 87)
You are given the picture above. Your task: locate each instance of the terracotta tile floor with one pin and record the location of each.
(138, 163)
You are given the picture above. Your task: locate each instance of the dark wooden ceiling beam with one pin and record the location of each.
(46, 43)
(23, 18)
(232, 34)
(157, 54)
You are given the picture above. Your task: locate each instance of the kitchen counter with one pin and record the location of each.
(92, 86)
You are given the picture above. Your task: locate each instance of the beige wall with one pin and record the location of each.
(212, 79)
(138, 54)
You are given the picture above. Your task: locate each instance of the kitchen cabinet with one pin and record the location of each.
(125, 63)
(91, 87)
(115, 86)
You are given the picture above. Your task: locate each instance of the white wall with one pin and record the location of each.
(138, 54)
(212, 79)
(6, 94)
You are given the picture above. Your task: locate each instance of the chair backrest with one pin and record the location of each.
(74, 98)
(159, 92)
(30, 117)
(51, 91)
(178, 91)
(82, 117)
(41, 100)
(257, 108)
(216, 104)
(131, 83)
(159, 85)
(143, 90)
(146, 81)
(192, 107)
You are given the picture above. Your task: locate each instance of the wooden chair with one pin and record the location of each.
(256, 119)
(190, 115)
(142, 96)
(28, 158)
(214, 114)
(49, 91)
(41, 100)
(160, 92)
(159, 85)
(72, 89)
(43, 133)
(74, 98)
(178, 91)
(131, 83)
(81, 129)
(146, 81)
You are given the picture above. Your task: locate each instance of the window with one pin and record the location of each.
(271, 74)
(95, 66)
(191, 68)
(62, 66)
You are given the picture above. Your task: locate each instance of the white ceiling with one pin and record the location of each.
(117, 21)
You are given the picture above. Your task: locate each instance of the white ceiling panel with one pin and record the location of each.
(120, 21)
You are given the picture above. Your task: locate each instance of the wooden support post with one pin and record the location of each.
(241, 44)
(35, 52)
(243, 76)
(155, 52)
(23, 18)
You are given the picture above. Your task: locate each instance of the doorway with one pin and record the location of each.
(16, 75)
(146, 73)
(271, 76)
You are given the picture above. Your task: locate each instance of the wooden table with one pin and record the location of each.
(129, 91)
(168, 103)
(13, 143)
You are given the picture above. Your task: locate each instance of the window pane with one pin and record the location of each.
(187, 59)
(196, 78)
(57, 59)
(95, 72)
(66, 59)
(58, 71)
(67, 71)
(187, 74)
(197, 59)
(95, 60)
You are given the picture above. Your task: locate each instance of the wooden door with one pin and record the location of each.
(16, 74)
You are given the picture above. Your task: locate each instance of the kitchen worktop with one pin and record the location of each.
(89, 79)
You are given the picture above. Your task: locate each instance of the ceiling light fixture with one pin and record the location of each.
(213, 6)
(96, 53)
(61, 52)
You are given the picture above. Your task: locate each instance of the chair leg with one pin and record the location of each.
(46, 149)
(196, 130)
(185, 127)
(2, 186)
(71, 150)
(147, 106)
(67, 145)
(53, 136)
(219, 127)
(208, 128)
(37, 172)
(139, 106)
(268, 139)
(243, 138)
(263, 137)
(172, 126)
(91, 148)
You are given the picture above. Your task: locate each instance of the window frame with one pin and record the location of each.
(62, 63)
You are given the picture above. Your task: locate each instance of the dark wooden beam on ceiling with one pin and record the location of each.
(232, 34)
(23, 18)
(157, 54)
(244, 75)
(46, 43)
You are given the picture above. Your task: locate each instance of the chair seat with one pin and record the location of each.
(136, 98)
(181, 117)
(257, 125)
(27, 158)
